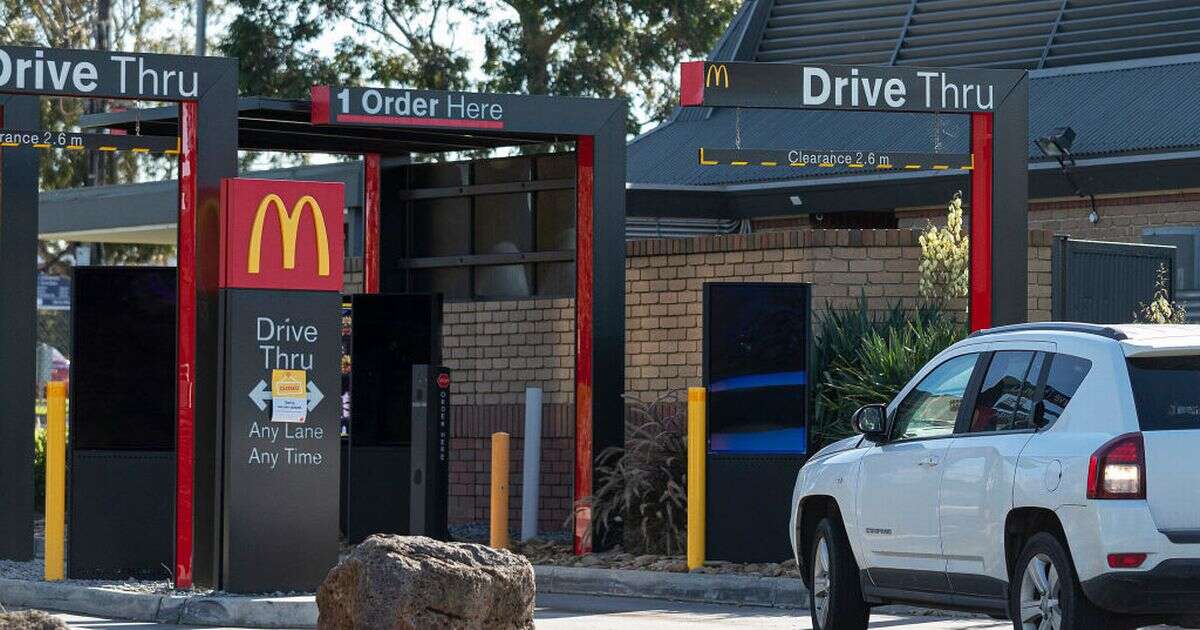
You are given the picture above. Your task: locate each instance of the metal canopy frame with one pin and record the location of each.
(596, 126)
(206, 130)
(998, 222)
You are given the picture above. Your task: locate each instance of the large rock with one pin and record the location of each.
(414, 582)
(30, 620)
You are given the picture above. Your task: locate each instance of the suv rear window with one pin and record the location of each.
(1166, 391)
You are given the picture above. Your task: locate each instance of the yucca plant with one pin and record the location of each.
(641, 490)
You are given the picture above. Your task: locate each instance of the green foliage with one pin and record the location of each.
(272, 40)
(861, 358)
(642, 488)
(1161, 310)
(39, 469)
(945, 256)
(144, 25)
(607, 48)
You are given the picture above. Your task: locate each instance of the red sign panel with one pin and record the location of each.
(281, 234)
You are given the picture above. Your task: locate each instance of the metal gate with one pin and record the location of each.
(1104, 283)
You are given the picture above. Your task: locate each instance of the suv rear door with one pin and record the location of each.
(977, 483)
(1166, 393)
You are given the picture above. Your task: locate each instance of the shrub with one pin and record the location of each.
(1160, 310)
(641, 490)
(862, 359)
(946, 257)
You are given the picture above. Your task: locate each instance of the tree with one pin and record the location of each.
(408, 42)
(273, 42)
(146, 25)
(607, 48)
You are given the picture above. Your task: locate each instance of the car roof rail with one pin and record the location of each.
(1076, 327)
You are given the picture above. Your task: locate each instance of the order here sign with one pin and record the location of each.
(281, 234)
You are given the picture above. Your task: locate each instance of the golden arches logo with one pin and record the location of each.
(717, 76)
(289, 226)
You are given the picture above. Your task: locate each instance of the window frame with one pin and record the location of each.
(963, 428)
(409, 265)
(968, 396)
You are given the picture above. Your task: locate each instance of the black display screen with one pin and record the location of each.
(756, 348)
(389, 334)
(123, 359)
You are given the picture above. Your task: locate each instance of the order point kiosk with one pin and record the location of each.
(757, 345)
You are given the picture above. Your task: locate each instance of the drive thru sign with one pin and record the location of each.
(281, 275)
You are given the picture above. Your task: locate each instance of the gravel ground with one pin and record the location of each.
(35, 569)
(550, 548)
(554, 548)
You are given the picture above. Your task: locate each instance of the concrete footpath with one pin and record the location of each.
(301, 611)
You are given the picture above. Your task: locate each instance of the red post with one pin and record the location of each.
(185, 339)
(371, 223)
(584, 161)
(980, 298)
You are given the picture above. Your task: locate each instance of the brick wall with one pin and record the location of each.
(1122, 218)
(497, 349)
(664, 280)
(471, 462)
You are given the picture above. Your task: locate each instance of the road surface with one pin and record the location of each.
(570, 612)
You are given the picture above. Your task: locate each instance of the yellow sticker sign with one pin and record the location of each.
(289, 396)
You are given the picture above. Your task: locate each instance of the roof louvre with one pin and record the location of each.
(1027, 34)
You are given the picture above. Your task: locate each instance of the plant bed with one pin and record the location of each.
(554, 553)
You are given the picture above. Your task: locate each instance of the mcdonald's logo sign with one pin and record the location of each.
(717, 75)
(281, 234)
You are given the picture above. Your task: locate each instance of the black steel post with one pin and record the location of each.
(1010, 206)
(608, 304)
(18, 330)
(217, 159)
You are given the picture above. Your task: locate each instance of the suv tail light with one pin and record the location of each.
(1117, 470)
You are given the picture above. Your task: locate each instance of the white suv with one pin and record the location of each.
(1048, 473)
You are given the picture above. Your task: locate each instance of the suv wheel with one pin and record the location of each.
(1044, 594)
(835, 599)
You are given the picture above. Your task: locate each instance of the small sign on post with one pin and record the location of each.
(289, 396)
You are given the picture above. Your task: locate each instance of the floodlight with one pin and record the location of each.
(1057, 143)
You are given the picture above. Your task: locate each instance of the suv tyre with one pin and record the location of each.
(835, 599)
(1044, 589)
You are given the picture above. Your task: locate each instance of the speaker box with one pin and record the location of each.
(428, 503)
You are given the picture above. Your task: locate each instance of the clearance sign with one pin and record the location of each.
(281, 234)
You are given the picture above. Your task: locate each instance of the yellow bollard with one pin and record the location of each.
(499, 538)
(697, 433)
(56, 476)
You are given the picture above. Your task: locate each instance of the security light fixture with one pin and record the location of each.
(1057, 145)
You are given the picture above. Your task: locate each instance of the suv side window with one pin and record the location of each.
(931, 408)
(1065, 375)
(1005, 400)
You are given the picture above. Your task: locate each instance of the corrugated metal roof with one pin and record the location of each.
(1114, 111)
(1026, 34)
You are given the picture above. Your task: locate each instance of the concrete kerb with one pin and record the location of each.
(223, 610)
(742, 590)
(301, 611)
